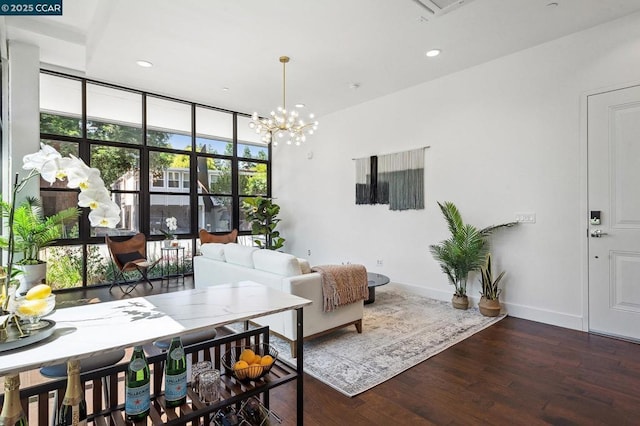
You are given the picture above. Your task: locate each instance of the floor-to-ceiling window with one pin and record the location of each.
(160, 157)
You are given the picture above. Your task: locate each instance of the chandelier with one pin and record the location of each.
(283, 124)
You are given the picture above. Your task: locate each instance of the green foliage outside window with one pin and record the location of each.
(64, 267)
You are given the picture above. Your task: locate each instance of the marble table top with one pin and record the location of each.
(87, 330)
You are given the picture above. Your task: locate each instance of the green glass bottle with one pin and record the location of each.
(12, 414)
(175, 375)
(137, 387)
(73, 411)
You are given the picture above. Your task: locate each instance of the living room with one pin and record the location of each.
(507, 133)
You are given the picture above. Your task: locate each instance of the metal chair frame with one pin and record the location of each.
(135, 244)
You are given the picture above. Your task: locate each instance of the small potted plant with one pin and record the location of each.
(489, 302)
(170, 237)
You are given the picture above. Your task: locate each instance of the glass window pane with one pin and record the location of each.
(247, 134)
(166, 170)
(214, 213)
(99, 269)
(214, 175)
(252, 179)
(165, 206)
(173, 180)
(113, 114)
(214, 131)
(60, 105)
(64, 148)
(54, 202)
(168, 123)
(257, 152)
(64, 266)
(214, 146)
(119, 167)
(130, 216)
(245, 224)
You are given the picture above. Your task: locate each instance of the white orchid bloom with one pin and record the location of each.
(172, 223)
(79, 175)
(57, 168)
(94, 197)
(37, 160)
(106, 215)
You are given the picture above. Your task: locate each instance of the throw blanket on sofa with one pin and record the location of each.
(342, 284)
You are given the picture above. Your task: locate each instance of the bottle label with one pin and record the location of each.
(137, 364)
(175, 386)
(75, 417)
(137, 400)
(177, 354)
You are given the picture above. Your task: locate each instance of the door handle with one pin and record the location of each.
(597, 233)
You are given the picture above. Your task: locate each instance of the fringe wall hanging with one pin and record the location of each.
(393, 179)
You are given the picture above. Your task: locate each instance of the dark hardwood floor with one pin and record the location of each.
(515, 372)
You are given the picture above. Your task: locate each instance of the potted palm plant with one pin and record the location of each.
(463, 252)
(32, 232)
(489, 301)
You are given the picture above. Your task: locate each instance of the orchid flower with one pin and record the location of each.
(37, 160)
(105, 215)
(93, 193)
(94, 197)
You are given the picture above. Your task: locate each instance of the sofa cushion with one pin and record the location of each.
(213, 251)
(207, 237)
(239, 255)
(276, 262)
(305, 267)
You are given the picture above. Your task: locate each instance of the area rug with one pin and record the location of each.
(400, 330)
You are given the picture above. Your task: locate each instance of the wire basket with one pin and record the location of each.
(254, 368)
(251, 413)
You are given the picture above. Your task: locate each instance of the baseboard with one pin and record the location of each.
(560, 319)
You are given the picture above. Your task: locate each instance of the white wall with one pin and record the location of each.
(505, 137)
(23, 115)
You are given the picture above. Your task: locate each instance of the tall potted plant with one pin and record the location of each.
(463, 252)
(489, 301)
(262, 213)
(32, 231)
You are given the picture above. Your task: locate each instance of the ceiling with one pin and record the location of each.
(343, 52)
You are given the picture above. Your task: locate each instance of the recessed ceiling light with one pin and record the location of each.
(552, 4)
(300, 105)
(354, 86)
(433, 53)
(225, 89)
(144, 64)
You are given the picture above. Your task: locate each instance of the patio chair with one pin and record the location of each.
(130, 255)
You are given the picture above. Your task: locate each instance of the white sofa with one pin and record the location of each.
(225, 263)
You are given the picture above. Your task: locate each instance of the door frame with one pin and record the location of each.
(584, 193)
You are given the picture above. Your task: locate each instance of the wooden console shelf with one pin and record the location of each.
(35, 400)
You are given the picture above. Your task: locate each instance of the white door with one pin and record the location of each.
(614, 196)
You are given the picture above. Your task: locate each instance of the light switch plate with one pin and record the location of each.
(526, 217)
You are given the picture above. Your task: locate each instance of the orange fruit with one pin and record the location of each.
(240, 369)
(254, 371)
(256, 359)
(266, 360)
(247, 355)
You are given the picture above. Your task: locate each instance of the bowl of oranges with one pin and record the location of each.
(249, 362)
